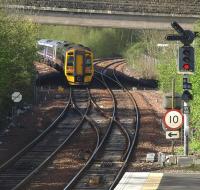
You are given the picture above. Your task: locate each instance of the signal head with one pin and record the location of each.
(186, 96)
(186, 60)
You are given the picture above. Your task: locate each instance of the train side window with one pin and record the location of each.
(50, 51)
(70, 60)
(41, 49)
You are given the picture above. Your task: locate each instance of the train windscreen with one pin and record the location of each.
(70, 60)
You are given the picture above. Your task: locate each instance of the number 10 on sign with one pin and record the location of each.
(173, 119)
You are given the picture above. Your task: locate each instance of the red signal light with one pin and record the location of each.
(186, 66)
(186, 60)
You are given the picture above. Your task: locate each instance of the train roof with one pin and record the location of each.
(51, 43)
(55, 43)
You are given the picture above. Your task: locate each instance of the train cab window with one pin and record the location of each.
(70, 60)
(88, 61)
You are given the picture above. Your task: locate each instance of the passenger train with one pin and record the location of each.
(75, 60)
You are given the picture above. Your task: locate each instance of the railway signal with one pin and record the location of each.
(187, 86)
(186, 60)
(186, 96)
(186, 66)
(172, 37)
(185, 36)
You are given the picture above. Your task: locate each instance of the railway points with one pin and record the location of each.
(103, 165)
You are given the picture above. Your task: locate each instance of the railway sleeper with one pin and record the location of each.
(62, 131)
(110, 157)
(32, 159)
(92, 181)
(55, 143)
(41, 147)
(28, 165)
(68, 127)
(116, 141)
(36, 155)
(116, 144)
(12, 176)
(102, 171)
(106, 164)
(44, 149)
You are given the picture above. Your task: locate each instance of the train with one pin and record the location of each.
(75, 60)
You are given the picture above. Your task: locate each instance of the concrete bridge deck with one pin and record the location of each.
(170, 7)
(113, 21)
(145, 14)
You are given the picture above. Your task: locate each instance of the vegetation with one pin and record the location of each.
(17, 50)
(163, 62)
(105, 42)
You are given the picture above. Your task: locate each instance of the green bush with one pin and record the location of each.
(17, 50)
(195, 145)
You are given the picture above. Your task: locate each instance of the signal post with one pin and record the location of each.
(186, 67)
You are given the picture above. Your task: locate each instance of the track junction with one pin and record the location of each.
(97, 129)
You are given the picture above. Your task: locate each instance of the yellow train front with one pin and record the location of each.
(79, 68)
(76, 61)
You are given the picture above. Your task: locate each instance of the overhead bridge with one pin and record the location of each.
(155, 14)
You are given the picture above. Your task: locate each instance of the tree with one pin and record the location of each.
(17, 52)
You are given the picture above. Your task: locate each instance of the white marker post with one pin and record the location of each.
(16, 98)
(186, 131)
(186, 124)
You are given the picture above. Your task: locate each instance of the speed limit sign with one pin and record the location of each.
(173, 119)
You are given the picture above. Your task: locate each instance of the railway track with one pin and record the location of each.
(100, 123)
(110, 159)
(109, 130)
(21, 168)
(75, 153)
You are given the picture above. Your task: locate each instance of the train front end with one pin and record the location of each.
(79, 68)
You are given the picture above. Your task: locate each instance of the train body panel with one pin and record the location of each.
(76, 61)
(79, 64)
